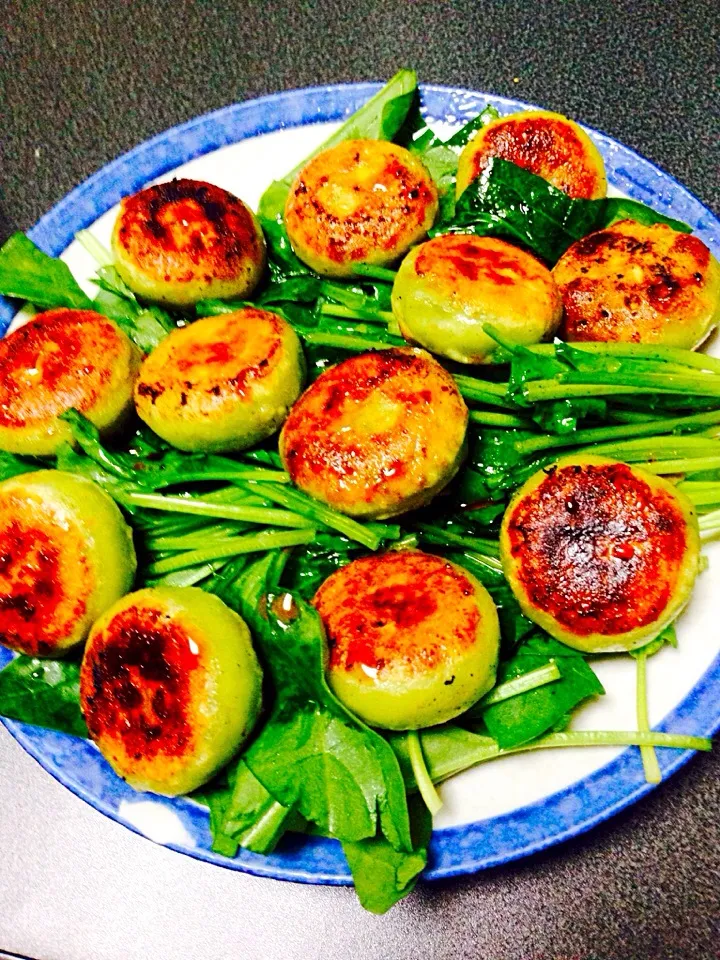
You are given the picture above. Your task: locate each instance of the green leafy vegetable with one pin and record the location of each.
(244, 814)
(43, 692)
(383, 875)
(527, 716)
(29, 274)
(313, 754)
(509, 202)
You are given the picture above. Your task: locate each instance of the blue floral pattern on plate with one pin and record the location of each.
(182, 824)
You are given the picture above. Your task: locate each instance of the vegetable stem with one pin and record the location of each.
(252, 543)
(491, 419)
(376, 273)
(527, 681)
(205, 508)
(420, 772)
(689, 358)
(489, 548)
(342, 341)
(350, 313)
(97, 251)
(649, 757)
(623, 431)
(316, 511)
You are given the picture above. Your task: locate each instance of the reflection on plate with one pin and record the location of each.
(497, 812)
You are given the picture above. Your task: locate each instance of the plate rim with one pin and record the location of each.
(204, 134)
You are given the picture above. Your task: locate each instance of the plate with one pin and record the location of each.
(496, 812)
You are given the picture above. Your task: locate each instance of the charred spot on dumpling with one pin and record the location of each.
(222, 383)
(601, 555)
(378, 434)
(547, 144)
(448, 288)
(186, 240)
(65, 554)
(413, 638)
(639, 284)
(360, 202)
(61, 359)
(169, 687)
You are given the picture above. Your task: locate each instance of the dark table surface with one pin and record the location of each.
(85, 81)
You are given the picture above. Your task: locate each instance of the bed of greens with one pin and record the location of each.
(235, 526)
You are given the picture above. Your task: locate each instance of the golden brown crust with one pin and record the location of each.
(405, 608)
(222, 382)
(136, 687)
(59, 359)
(377, 434)
(178, 241)
(45, 575)
(545, 143)
(211, 363)
(638, 284)
(363, 201)
(596, 548)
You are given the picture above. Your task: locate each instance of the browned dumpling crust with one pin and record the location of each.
(600, 554)
(186, 240)
(639, 284)
(361, 202)
(448, 288)
(413, 638)
(378, 434)
(545, 143)
(61, 359)
(222, 383)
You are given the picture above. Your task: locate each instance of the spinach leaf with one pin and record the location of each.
(527, 716)
(509, 202)
(43, 692)
(243, 813)
(378, 119)
(441, 157)
(313, 754)
(13, 466)
(383, 875)
(620, 208)
(146, 326)
(29, 274)
(514, 204)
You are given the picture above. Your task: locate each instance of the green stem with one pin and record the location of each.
(190, 576)
(711, 521)
(376, 273)
(521, 684)
(688, 465)
(205, 508)
(228, 475)
(539, 390)
(97, 251)
(355, 313)
(489, 548)
(653, 448)
(702, 384)
(253, 543)
(420, 772)
(491, 419)
(317, 511)
(483, 391)
(615, 738)
(343, 342)
(688, 358)
(650, 428)
(649, 757)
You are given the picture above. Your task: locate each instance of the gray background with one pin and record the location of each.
(84, 81)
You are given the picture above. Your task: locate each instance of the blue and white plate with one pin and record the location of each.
(504, 809)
